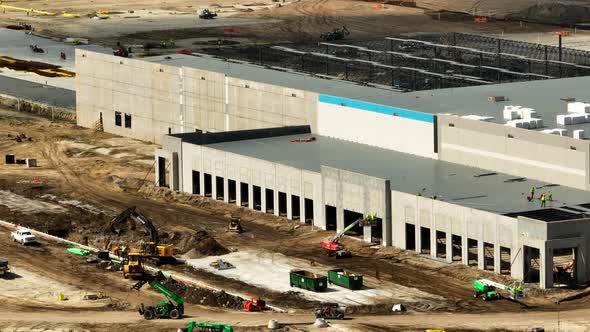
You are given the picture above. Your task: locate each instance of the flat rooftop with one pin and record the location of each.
(457, 184)
(544, 96)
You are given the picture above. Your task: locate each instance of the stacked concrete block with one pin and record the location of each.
(572, 119)
(518, 112)
(579, 134)
(478, 117)
(533, 123)
(556, 131)
(578, 107)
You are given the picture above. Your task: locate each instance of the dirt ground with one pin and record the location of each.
(95, 175)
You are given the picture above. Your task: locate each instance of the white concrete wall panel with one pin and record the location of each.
(342, 120)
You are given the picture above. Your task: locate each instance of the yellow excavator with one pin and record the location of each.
(153, 250)
(235, 225)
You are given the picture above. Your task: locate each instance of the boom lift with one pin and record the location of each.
(162, 309)
(161, 253)
(488, 290)
(334, 248)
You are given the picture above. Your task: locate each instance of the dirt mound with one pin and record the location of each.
(555, 13)
(196, 295)
(199, 245)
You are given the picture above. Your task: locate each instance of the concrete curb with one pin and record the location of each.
(175, 276)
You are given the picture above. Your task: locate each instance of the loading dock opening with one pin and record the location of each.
(488, 256)
(196, 183)
(219, 187)
(564, 267)
(295, 207)
(308, 211)
(377, 230)
(282, 204)
(457, 250)
(330, 218)
(425, 240)
(532, 264)
(441, 244)
(270, 201)
(162, 172)
(244, 198)
(410, 237)
(231, 191)
(349, 218)
(472, 252)
(505, 262)
(257, 193)
(208, 185)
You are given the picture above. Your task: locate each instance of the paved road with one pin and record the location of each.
(38, 92)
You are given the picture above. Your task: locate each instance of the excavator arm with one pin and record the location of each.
(137, 216)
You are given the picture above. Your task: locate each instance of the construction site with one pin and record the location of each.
(294, 165)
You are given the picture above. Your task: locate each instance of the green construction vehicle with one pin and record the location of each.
(488, 290)
(208, 327)
(172, 308)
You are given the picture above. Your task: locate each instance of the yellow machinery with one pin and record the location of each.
(235, 225)
(160, 253)
(133, 266)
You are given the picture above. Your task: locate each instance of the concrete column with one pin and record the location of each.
(433, 239)
(418, 238)
(449, 239)
(174, 176)
(319, 218)
(581, 263)
(464, 249)
(339, 219)
(202, 182)
(546, 268)
(302, 208)
(263, 199)
(289, 207)
(497, 258)
(480, 254)
(250, 196)
(367, 234)
(225, 190)
(517, 260)
(238, 193)
(157, 169)
(387, 223)
(275, 201)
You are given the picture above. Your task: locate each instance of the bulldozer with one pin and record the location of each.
(337, 34)
(153, 250)
(235, 225)
(206, 14)
(133, 266)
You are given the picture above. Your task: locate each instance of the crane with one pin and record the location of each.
(161, 253)
(172, 308)
(332, 245)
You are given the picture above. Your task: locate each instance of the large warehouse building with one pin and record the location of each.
(447, 172)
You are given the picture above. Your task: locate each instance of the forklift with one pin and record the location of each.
(172, 308)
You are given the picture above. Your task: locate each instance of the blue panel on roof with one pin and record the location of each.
(389, 110)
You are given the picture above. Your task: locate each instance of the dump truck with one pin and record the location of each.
(308, 280)
(208, 327)
(345, 279)
(4, 267)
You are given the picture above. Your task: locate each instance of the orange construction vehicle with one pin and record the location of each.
(255, 304)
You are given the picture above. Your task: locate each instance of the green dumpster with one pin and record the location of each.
(307, 280)
(345, 279)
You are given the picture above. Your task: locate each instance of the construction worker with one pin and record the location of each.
(543, 200)
(532, 192)
(550, 196)
(124, 251)
(117, 251)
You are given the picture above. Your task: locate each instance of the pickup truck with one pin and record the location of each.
(23, 236)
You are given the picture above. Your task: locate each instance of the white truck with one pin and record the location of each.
(23, 236)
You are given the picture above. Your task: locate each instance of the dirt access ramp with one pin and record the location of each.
(541, 11)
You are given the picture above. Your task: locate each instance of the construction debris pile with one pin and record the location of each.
(202, 245)
(197, 295)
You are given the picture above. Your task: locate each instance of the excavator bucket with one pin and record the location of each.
(235, 225)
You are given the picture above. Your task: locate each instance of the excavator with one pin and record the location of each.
(235, 225)
(172, 308)
(332, 246)
(159, 253)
